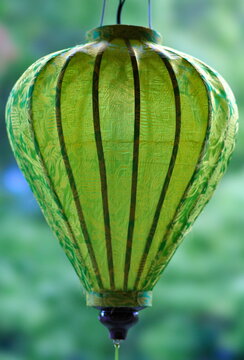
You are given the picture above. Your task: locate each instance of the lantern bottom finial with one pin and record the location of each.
(119, 320)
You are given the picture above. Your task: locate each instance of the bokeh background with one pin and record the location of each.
(198, 311)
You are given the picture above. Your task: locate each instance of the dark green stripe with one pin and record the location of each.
(135, 162)
(170, 168)
(102, 165)
(198, 165)
(48, 179)
(71, 176)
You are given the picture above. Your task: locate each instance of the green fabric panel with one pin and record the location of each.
(77, 122)
(209, 171)
(194, 120)
(116, 99)
(44, 122)
(25, 147)
(157, 131)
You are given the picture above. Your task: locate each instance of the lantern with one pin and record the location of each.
(123, 142)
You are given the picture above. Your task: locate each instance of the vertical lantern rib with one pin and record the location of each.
(70, 173)
(102, 165)
(165, 186)
(42, 162)
(199, 162)
(135, 162)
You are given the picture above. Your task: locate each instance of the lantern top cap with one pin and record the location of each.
(110, 32)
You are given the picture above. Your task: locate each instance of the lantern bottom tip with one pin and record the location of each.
(118, 320)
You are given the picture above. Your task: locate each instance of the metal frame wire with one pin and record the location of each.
(149, 14)
(103, 12)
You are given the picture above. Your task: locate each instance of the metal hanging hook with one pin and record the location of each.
(103, 12)
(119, 11)
(120, 7)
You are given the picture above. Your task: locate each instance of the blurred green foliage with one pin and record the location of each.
(198, 311)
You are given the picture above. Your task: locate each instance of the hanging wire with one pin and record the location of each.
(119, 11)
(103, 13)
(149, 14)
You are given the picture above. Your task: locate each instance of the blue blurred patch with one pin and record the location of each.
(14, 182)
(17, 189)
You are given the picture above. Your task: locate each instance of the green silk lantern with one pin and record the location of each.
(123, 142)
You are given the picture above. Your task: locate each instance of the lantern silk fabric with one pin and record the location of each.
(123, 142)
